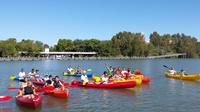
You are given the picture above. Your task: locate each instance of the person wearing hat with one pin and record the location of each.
(84, 78)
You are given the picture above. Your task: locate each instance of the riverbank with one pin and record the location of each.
(87, 58)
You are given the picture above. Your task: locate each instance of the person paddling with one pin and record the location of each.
(49, 82)
(104, 77)
(84, 78)
(21, 74)
(172, 71)
(182, 72)
(32, 74)
(57, 84)
(70, 70)
(28, 91)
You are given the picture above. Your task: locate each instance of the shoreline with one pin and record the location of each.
(83, 58)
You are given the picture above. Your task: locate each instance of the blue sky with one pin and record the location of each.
(49, 20)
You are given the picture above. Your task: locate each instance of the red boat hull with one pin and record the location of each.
(33, 103)
(38, 83)
(58, 93)
(113, 85)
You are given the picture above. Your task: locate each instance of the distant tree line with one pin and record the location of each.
(122, 44)
(12, 48)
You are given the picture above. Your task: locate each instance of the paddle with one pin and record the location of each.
(12, 88)
(166, 66)
(5, 98)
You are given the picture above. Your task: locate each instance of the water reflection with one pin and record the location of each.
(195, 83)
(28, 109)
(124, 92)
(49, 101)
(5, 109)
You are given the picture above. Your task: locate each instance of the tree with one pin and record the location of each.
(64, 45)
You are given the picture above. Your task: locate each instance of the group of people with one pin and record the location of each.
(27, 89)
(33, 74)
(172, 71)
(112, 74)
(78, 70)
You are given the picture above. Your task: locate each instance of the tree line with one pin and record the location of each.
(122, 44)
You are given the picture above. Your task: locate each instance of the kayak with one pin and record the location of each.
(38, 83)
(4, 98)
(96, 78)
(12, 77)
(138, 80)
(111, 85)
(89, 74)
(33, 103)
(17, 78)
(145, 79)
(44, 88)
(57, 93)
(184, 77)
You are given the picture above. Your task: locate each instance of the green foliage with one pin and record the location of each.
(64, 45)
(129, 44)
(176, 43)
(122, 44)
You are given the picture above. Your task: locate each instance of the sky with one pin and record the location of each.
(49, 20)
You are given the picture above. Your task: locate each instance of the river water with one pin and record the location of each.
(161, 95)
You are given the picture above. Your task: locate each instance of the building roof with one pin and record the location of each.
(66, 53)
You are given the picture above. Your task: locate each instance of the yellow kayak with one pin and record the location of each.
(184, 77)
(96, 78)
(138, 80)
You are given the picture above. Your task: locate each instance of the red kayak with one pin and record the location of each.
(4, 98)
(58, 93)
(38, 83)
(111, 85)
(41, 89)
(33, 103)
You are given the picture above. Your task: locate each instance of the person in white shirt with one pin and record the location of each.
(104, 77)
(70, 69)
(172, 71)
(32, 74)
(22, 74)
(123, 71)
(84, 77)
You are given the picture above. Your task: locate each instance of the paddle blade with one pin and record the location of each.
(5, 98)
(165, 66)
(73, 86)
(12, 88)
(66, 84)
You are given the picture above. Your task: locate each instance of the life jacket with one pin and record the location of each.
(56, 84)
(49, 82)
(28, 90)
